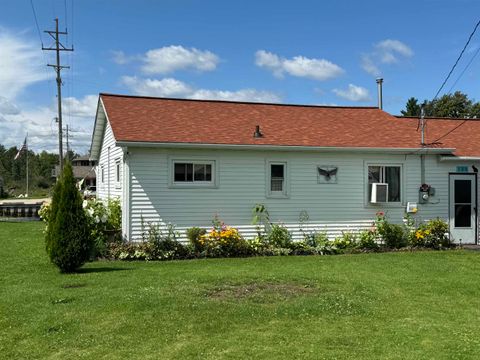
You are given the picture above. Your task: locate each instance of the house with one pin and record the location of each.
(183, 161)
(83, 171)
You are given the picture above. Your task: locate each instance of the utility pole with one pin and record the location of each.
(58, 68)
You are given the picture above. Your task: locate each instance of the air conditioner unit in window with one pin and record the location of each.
(379, 193)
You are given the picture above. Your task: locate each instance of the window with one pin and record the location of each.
(277, 180)
(195, 172)
(390, 175)
(103, 174)
(117, 172)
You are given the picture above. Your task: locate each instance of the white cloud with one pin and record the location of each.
(85, 107)
(41, 127)
(300, 66)
(21, 64)
(388, 51)
(121, 58)
(239, 95)
(7, 107)
(353, 93)
(169, 87)
(172, 58)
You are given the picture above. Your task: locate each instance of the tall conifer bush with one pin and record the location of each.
(68, 234)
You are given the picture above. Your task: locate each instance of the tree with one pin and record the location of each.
(456, 105)
(412, 108)
(68, 240)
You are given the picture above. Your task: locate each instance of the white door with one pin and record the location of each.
(463, 214)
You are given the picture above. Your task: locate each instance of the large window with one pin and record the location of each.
(277, 179)
(390, 175)
(194, 172)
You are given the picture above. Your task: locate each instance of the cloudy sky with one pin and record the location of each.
(303, 52)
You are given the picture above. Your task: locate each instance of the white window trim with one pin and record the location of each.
(194, 184)
(286, 183)
(118, 181)
(390, 204)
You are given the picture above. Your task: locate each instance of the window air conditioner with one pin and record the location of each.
(379, 193)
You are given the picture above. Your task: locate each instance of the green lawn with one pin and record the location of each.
(423, 305)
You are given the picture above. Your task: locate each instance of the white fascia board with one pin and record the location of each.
(98, 130)
(459, 158)
(408, 151)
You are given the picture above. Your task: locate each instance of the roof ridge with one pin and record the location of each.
(239, 102)
(435, 117)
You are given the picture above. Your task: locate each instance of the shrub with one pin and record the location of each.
(194, 235)
(104, 222)
(224, 241)
(393, 235)
(279, 236)
(367, 239)
(316, 239)
(68, 237)
(346, 241)
(433, 234)
(163, 245)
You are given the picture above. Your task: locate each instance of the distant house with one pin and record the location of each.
(83, 171)
(183, 161)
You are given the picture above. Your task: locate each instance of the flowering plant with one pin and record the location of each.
(223, 240)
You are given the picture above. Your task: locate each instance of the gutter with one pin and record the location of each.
(174, 145)
(459, 158)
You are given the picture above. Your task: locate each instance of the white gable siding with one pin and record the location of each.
(107, 187)
(242, 184)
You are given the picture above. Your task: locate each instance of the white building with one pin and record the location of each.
(184, 161)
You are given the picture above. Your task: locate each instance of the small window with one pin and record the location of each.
(103, 174)
(200, 172)
(117, 171)
(390, 175)
(277, 179)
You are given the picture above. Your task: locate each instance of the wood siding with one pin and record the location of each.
(109, 154)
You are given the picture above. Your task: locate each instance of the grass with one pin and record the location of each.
(422, 305)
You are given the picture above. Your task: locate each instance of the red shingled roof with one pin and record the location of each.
(144, 119)
(461, 134)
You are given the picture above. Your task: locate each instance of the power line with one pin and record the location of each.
(458, 59)
(66, 17)
(465, 69)
(36, 22)
(446, 79)
(448, 133)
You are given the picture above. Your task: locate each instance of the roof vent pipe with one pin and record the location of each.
(379, 86)
(257, 133)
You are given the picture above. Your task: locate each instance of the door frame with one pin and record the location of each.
(474, 175)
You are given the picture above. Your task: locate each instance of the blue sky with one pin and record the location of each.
(307, 52)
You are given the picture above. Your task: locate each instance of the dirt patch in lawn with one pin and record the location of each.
(261, 290)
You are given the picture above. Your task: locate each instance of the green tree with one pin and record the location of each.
(412, 108)
(456, 105)
(69, 242)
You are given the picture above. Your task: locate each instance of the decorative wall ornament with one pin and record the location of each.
(327, 174)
